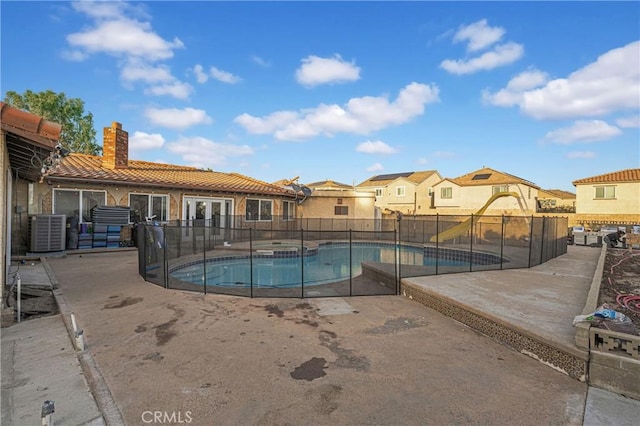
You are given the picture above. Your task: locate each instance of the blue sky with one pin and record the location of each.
(547, 91)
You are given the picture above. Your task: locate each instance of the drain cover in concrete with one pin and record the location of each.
(333, 306)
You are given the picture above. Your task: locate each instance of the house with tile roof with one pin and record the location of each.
(28, 146)
(409, 192)
(610, 198)
(468, 193)
(171, 193)
(334, 200)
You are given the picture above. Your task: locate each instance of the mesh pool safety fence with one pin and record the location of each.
(338, 257)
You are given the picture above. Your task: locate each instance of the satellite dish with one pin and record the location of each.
(306, 191)
(295, 187)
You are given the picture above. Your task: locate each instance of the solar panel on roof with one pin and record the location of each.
(391, 176)
(481, 176)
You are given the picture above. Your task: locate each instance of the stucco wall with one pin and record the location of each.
(321, 204)
(626, 201)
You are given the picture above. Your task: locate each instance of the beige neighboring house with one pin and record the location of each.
(469, 193)
(611, 198)
(28, 146)
(409, 193)
(330, 199)
(556, 201)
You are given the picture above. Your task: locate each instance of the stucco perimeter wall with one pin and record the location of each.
(322, 203)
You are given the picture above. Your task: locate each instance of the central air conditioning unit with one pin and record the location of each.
(47, 232)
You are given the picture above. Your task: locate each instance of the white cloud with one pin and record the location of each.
(358, 116)
(74, 55)
(443, 154)
(224, 76)
(609, 84)
(138, 70)
(377, 167)
(102, 9)
(479, 35)
(124, 37)
(123, 30)
(513, 94)
(141, 141)
(422, 161)
(625, 122)
(501, 55)
(177, 89)
(583, 131)
(202, 152)
(201, 76)
(581, 154)
(315, 70)
(177, 118)
(375, 147)
(258, 60)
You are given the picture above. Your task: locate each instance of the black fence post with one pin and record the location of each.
(437, 241)
(502, 243)
(542, 242)
(165, 266)
(471, 233)
(395, 258)
(350, 264)
(302, 263)
(530, 241)
(251, 262)
(204, 266)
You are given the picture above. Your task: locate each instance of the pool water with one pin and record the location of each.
(330, 264)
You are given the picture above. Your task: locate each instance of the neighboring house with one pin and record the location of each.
(468, 193)
(330, 199)
(556, 201)
(611, 198)
(28, 146)
(169, 192)
(408, 193)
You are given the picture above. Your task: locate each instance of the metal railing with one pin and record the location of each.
(318, 257)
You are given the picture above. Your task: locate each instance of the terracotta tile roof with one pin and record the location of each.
(488, 176)
(383, 180)
(82, 167)
(29, 125)
(30, 139)
(559, 193)
(627, 175)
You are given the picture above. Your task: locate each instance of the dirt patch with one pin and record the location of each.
(620, 278)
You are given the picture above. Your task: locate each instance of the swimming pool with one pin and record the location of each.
(328, 264)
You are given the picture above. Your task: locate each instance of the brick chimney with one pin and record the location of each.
(115, 147)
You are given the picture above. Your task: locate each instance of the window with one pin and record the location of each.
(605, 191)
(500, 188)
(341, 210)
(446, 192)
(80, 203)
(378, 192)
(147, 205)
(259, 209)
(400, 191)
(288, 210)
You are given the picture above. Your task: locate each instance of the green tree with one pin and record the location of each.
(78, 133)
